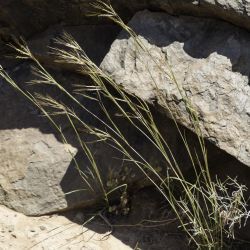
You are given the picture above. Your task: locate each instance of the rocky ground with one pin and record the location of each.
(67, 231)
(18, 231)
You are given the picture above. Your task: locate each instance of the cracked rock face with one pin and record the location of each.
(210, 60)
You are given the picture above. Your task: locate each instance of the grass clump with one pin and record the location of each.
(207, 210)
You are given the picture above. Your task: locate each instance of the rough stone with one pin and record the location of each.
(32, 166)
(209, 59)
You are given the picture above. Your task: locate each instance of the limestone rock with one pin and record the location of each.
(32, 166)
(210, 60)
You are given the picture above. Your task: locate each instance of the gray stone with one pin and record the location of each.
(32, 166)
(210, 60)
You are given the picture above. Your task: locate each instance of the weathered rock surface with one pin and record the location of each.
(32, 166)
(210, 60)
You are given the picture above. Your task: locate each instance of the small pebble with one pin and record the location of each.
(42, 228)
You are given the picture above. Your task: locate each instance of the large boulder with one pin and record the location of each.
(32, 166)
(209, 59)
